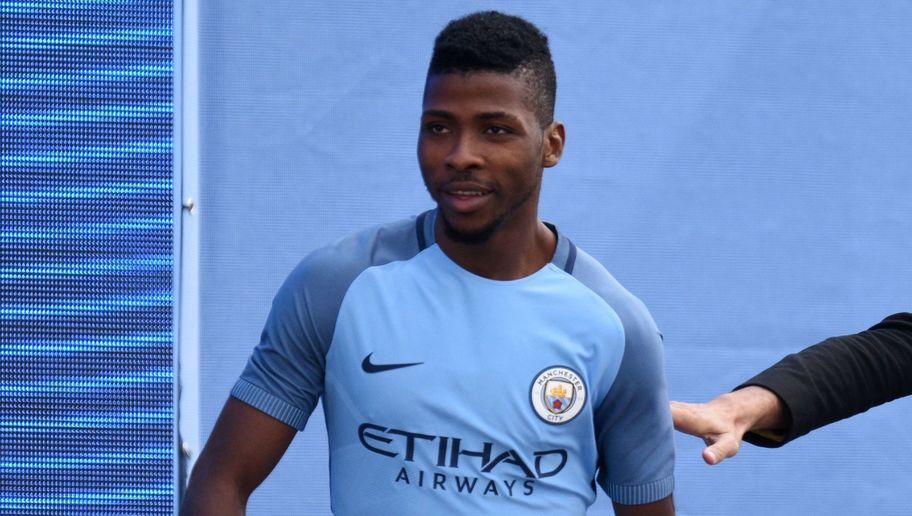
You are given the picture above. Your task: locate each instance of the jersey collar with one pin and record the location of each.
(564, 255)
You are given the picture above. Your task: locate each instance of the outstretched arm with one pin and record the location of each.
(833, 380)
(722, 422)
(242, 450)
(841, 377)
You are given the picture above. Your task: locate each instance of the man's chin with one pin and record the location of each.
(465, 234)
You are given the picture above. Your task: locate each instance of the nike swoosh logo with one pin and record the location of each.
(379, 368)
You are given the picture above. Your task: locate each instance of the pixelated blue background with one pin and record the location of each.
(743, 167)
(87, 234)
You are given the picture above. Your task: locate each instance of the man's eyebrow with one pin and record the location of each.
(499, 115)
(491, 115)
(439, 113)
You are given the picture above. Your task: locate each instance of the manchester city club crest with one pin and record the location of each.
(558, 394)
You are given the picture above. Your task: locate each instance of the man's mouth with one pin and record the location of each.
(465, 199)
(466, 192)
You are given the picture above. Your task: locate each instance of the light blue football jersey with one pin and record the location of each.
(449, 393)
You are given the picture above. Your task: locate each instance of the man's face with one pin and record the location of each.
(481, 151)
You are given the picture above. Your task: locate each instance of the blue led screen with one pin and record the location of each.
(86, 345)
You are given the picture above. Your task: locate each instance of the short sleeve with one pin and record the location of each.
(633, 423)
(284, 376)
(633, 427)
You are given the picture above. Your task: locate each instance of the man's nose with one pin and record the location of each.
(464, 154)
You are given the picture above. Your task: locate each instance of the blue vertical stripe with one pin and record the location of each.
(86, 300)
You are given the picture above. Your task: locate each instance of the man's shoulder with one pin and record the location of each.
(349, 256)
(321, 279)
(632, 312)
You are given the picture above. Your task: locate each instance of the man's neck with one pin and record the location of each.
(513, 251)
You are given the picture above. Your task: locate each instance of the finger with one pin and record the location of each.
(691, 418)
(725, 447)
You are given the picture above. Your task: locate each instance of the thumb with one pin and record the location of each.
(727, 446)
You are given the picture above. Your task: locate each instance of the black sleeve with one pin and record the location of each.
(840, 377)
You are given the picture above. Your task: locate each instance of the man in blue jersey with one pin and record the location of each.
(470, 360)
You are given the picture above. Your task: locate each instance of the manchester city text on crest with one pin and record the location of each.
(558, 394)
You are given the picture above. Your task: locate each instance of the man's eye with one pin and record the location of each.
(437, 128)
(497, 130)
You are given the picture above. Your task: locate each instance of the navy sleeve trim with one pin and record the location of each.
(269, 404)
(641, 493)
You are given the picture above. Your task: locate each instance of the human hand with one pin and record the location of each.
(722, 422)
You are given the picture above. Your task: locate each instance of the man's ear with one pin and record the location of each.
(553, 147)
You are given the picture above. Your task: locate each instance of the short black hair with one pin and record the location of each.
(490, 41)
